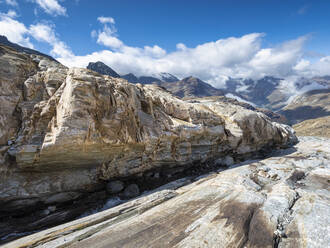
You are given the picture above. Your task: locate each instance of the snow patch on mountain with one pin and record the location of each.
(165, 77)
(229, 95)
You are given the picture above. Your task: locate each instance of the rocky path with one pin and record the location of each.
(281, 201)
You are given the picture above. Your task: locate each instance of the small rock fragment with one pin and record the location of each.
(114, 187)
(131, 191)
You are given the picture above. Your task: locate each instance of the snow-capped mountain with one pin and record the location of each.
(165, 77)
(273, 93)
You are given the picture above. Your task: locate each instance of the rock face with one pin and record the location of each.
(272, 115)
(281, 201)
(103, 69)
(68, 130)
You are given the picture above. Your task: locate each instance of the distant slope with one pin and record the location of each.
(191, 87)
(271, 92)
(102, 68)
(314, 127)
(255, 91)
(130, 77)
(6, 42)
(310, 105)
(154, 78)
(165, 77)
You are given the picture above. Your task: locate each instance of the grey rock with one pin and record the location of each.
(226, 209)
(114, 187)
(62, 197)
(131, 191)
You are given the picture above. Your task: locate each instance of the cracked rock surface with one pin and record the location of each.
(65, 132)
(280, 201)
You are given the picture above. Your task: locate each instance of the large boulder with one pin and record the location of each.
(281, 201)
(69, 130)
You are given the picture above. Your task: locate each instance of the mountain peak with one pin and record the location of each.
(192, 87)
(102, 68)
(4, 41)
(165, 77)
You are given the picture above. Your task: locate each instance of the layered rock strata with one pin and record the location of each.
(65, 132)
(281, 201)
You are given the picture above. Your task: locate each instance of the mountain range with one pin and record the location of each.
(268, 92)
(304, 99)
(145, 167)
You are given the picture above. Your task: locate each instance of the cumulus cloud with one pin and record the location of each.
(42, 32)
(213, 62)
(11, 3)
(8, 24)
(108, 35)
(103, 19)
(46, 33)
(10, 14)
(107, 39)
(51, 7)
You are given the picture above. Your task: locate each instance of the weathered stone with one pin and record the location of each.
(64, 132)
(114, 187)
(131, 191)
(68, 121)
(222, 209)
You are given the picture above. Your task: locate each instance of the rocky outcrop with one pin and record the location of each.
(103, 69)
(68, 132)
(281, 201)
(270, 114)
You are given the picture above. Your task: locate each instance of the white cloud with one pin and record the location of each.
(104, 20)
(45, 33)
(107, 36)
(181, 46)
(15, 31)
(60, 49)
(10, 14)
(154, 51)
(108, 40)
(302, 65)
(51, 7)
(11, 3)
(212, 61)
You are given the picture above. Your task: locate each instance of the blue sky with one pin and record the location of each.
(143, 36)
